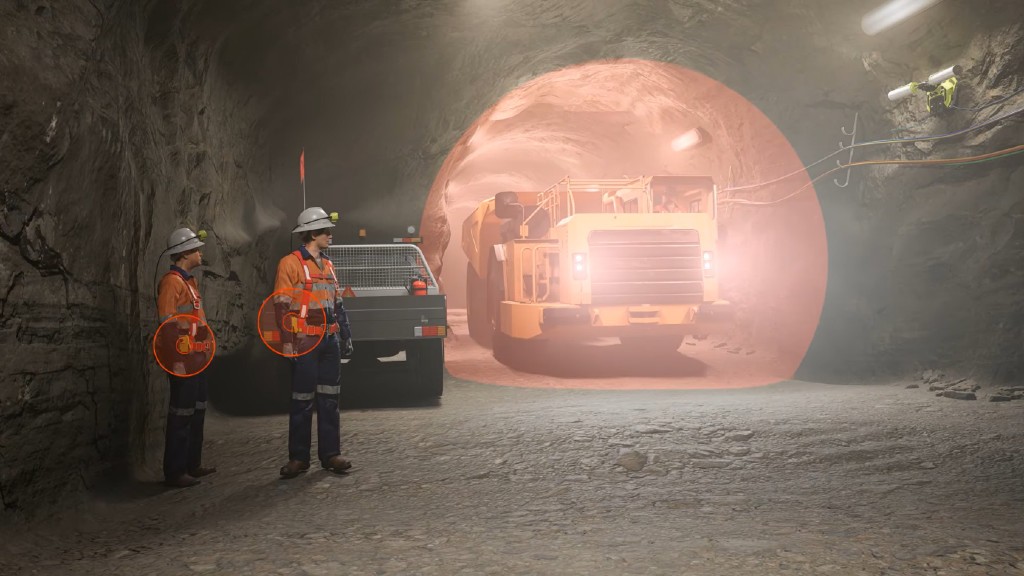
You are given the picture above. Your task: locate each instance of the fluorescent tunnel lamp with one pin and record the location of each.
(892, 13)
(687, 140)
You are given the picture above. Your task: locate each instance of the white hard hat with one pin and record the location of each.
(314, 219)
(183, 240)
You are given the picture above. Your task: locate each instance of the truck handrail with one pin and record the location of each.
(549, 198)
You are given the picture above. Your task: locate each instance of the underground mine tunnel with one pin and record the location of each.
(863, 217)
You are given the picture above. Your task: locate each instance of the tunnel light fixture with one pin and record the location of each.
(689, 139)
(892, 13)
(940, 89)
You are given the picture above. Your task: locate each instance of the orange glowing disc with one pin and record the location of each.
(184, 345)
(294, 333)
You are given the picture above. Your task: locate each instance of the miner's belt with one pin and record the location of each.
(318, 330)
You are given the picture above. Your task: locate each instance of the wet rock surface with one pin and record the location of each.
(795, 478)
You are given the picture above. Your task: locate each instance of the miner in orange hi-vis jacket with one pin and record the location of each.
(178, 295)
(316, 364)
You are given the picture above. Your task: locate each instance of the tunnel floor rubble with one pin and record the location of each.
(791, 478)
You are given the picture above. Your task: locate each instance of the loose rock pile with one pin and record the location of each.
(1006, 394)
(964, 388)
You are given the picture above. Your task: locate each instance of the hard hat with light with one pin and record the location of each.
(183, 240)
(315, 218)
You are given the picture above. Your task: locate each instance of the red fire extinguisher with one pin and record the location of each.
(418, 287)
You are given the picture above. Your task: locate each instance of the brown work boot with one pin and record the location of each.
(293, 468)
(183, 481)
(337, 464)
(200, 472)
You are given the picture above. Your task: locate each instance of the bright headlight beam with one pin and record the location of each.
(892, 13)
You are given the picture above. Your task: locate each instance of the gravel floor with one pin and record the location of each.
(794, 478)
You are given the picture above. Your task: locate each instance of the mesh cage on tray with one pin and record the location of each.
(379, 266)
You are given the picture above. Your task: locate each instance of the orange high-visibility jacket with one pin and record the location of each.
(176, 295)
(291, 275)
(321, 281)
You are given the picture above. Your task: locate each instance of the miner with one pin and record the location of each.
(315, 335)
(188, 340)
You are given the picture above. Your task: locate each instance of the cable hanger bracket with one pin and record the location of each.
(853, 141)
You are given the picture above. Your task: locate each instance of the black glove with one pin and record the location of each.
(347, 348)
(341, 316)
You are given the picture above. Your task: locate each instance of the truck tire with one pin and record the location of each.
(516, 353)
(521, 354)
(428, 356)
(476, 308)
(495, 294)
(508, 350)
(513, 352)
(651, 344)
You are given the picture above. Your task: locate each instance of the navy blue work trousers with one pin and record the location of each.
(183, 442)
(316, 380)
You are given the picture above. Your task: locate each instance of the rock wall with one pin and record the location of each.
(925, 261)
(118, 131)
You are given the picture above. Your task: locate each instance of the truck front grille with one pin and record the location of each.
(645, 267)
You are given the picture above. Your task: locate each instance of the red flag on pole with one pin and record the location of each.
(302, 166)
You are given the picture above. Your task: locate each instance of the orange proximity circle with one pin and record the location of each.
(282, 327)
(184, 345)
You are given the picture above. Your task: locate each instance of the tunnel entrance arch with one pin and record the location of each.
(632, 117)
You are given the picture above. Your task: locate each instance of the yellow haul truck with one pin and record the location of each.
(627, 258)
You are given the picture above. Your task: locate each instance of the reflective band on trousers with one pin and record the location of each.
(333, 390)
(200, 405)
(183, 411)
(303, 395)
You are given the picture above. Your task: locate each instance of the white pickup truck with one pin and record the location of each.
(398, 316)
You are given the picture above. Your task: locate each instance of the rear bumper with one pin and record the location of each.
(397, 317)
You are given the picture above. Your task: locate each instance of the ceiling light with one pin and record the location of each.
(687, 140)
(892, 13)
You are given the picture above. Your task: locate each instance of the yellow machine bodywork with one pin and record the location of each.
(631, 258)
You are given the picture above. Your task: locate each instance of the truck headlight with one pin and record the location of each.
(709, 263)
(579, 266)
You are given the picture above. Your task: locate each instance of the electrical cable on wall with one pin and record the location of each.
(962, 161)
(982, 107)
(873, 143)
